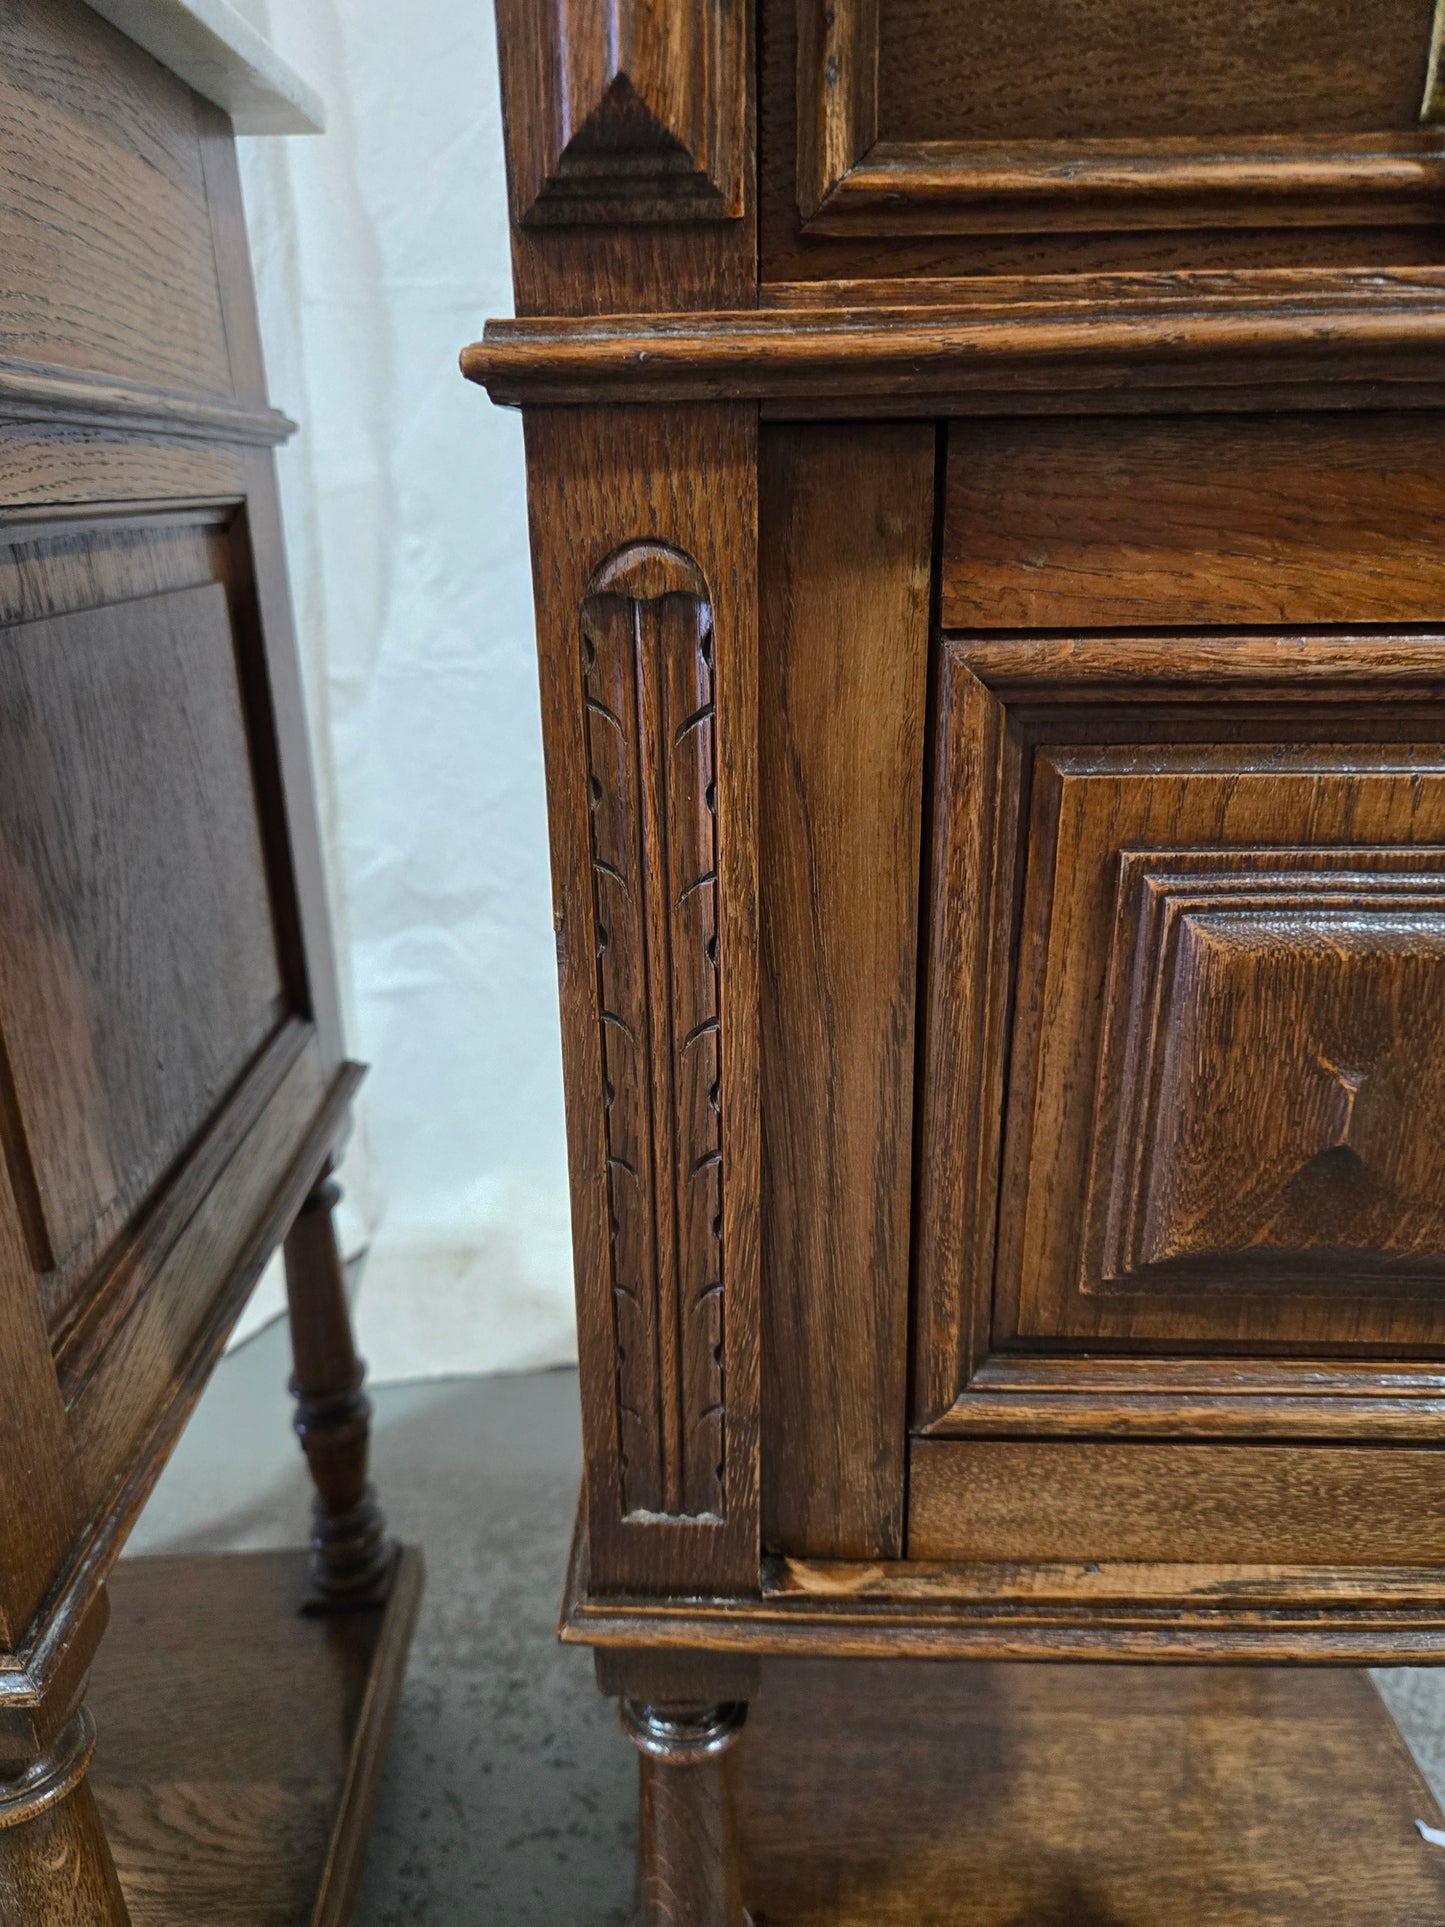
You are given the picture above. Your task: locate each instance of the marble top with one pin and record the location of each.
(218, 52)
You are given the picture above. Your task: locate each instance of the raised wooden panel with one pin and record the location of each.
(1038, 117)
(1261, 1143)
(101, 155)
(1182, 1091)
(1272, 1076)
(1212, 1504)
(1022, 70)
(844, 588)
(638, 110)
(138, 966)
(1131, 524)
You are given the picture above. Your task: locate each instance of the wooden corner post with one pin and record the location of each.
(632, 191)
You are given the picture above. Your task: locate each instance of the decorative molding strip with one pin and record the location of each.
(1210, 343)
(1347, 1616)
(647, 661)
(29, 393)
(851, 182)
(636, 110)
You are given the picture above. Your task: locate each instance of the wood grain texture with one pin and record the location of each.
(247, 1832)
(1343, 1615)
(988, 1796)
(1216, 69)
(1314, 1222)
(687, 1859)
(1113, 121)
(1147, 351)
(138, 970)
(636, 111)
(885, 240)
(55, 1864)
(685, 480)
(1131, 524)
(103, 225)
(648, 678)
(843, 589)
(1211, 1504)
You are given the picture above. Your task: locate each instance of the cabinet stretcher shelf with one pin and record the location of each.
(248, 1803)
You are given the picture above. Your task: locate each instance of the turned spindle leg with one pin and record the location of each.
(688, 1866)
(55, 1863)
(354, 1556)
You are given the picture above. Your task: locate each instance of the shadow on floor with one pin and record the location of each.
(510, 1794)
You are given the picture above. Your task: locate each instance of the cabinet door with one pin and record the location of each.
(1184, 1105)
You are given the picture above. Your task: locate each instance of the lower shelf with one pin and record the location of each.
(957, 1795)
(242, 1740)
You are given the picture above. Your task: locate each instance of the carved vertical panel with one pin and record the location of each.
(647, 659)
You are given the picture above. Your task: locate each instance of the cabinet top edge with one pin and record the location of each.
(216, 51)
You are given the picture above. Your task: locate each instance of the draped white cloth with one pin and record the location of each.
(380, 247)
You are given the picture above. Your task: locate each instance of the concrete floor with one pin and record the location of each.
(510, 1794)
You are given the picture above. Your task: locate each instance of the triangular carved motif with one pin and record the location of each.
(623, 151)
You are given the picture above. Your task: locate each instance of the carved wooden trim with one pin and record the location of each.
(647, 658)
(1119, 349)
(637, 110)
(850, 182)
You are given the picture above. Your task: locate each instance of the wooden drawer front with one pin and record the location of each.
(1029, 1500)
(1138, 524)
(1185, 1070)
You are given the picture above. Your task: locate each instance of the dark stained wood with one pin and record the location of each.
(1114, 120)
(211, 1813)
(353, 1557)
(990, 1796)
(138, 971)
(648, 123)
(1215, 1504)
(682, 483)
(1033, 70)
(637, 112)
(1220, 350)
(844, 595)
(888, 231)
(1137, 524)
(689, 1873)
(650, 699)
(55, 1866)
(1157, 1149)
(172, 1081)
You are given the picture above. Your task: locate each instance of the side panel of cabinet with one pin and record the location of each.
(844, 594)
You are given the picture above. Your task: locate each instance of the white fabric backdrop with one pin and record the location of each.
(380, 247)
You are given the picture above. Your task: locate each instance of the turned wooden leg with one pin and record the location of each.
(55, 1864)
(688, 1866)
(354, 1556)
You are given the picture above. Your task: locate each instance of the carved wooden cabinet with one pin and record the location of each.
(988, 512)
(172, 1080)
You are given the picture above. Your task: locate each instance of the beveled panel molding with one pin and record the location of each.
(850, 181)
(637, 110)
